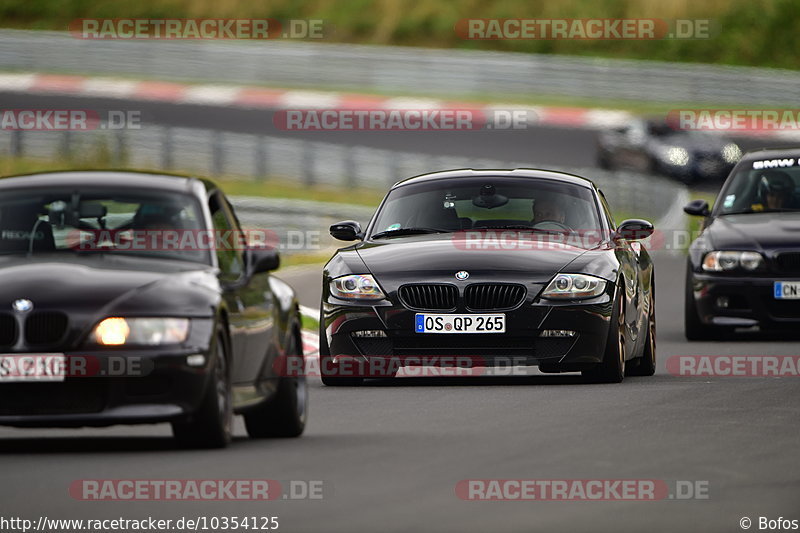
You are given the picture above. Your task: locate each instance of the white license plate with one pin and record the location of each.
(32, 367)
(786, 290)
(427, 323)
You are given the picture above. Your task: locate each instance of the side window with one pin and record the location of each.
(230, 259)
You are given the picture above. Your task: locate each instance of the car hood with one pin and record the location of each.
(755, 231)
(108, 285)
(438, 257)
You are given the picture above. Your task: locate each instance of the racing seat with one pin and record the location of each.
(16, 225)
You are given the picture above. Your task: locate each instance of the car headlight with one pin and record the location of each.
(731, 153)
(356, 287)
(574, 287)
(675, 155)
(116, 331)
(723, 261)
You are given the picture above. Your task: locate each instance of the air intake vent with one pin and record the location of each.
(788, 262)
(433, 297)
(8, 330)
(493, 296)
(45, 327)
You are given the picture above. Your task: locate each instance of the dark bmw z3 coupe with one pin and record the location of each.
(128, 297)
(744, 268)
(489, 268)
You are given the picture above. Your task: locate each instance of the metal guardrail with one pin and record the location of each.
(410, 71)
(255, 157)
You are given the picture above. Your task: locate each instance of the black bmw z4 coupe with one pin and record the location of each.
(743, 269)
(489, 268)
(128, 297)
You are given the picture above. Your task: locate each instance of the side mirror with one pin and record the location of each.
(634, 229)
(263, 260)
(698, 208)
(348, 230)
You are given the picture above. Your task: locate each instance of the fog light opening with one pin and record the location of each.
(558, 333)
(196, 360)
(370, 333)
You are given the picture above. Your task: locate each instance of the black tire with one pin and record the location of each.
(646, 364)
(612, 369)
(284, 415)
(693, 328)
(211, 425)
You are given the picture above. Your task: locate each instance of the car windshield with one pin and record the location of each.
(80, 220)
(756, 190)
(457, 204)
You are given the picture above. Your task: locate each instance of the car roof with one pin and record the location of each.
(522, 173)
(110, 178)
(771, 153)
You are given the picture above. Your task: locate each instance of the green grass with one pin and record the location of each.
(744, 32)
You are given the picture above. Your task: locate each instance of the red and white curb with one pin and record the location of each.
(248, 97)
(263, 98)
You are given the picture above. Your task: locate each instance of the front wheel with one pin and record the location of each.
(612, 369)
(647, 362)
(211, 425)
(283, 415)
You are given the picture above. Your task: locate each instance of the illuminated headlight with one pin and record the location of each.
(731, 153)
(574, 287)
(720, 261)
(356, 287)
(116, 331)
(675, 155)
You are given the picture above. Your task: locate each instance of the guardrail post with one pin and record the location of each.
(308, 163)
(217, 153)
(65, 150)
(262, 160)
(118, 147)
(166, 148)
(350, 176)
(16, 143)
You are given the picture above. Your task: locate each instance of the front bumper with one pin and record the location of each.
(750, 301)
(521, 345)
(139, 387)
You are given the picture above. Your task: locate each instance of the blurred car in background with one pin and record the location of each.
(653, 146)
(744, 268)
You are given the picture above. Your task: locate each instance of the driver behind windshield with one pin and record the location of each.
(776, 189)
(548, 208)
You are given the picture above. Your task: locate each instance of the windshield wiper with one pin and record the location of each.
(407, 231)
